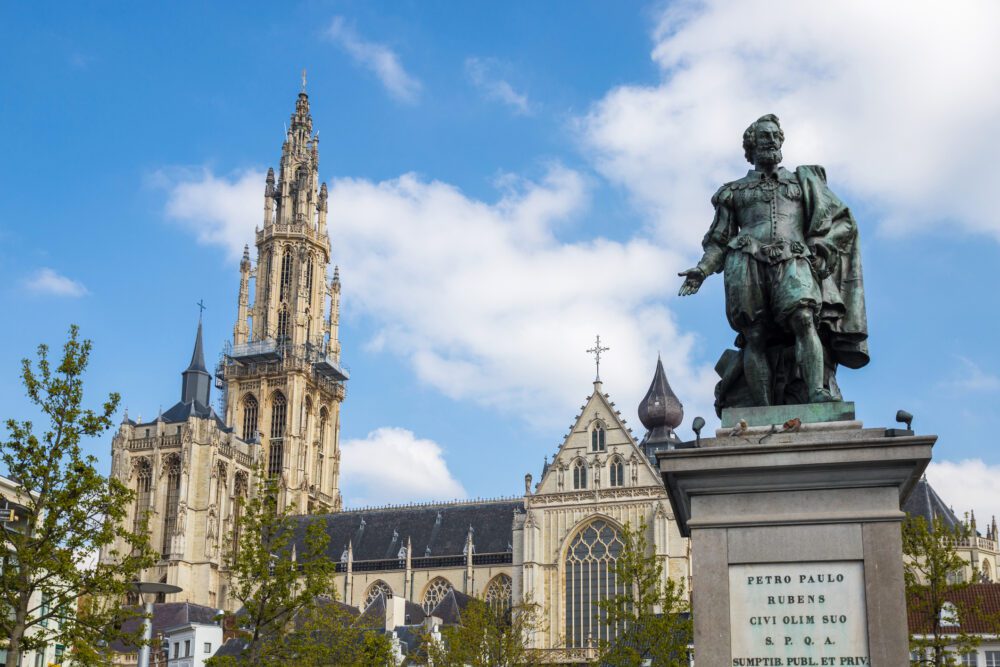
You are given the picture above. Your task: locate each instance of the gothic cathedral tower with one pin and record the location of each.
(283, 379)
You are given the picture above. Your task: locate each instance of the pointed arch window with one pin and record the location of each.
(590, 578)
(435, 592)
(579, 474)
(377, 589)
(173, 501)
(597, 438)
(309, 278)
(282, 334)
(499, 592)
(250, 410)
(617, 471)
(267, 275)
(279, 417)
(286, 275)
(320, 444)
(239, 497)
(144, 490)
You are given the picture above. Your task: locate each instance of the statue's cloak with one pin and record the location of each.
(842, 320)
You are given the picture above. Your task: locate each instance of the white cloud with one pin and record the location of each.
(968, 485)
(50, 281)
(901, 106)
(219, 211)
(378, 58)
(486, 303)
(392, 465)
(483, 72)
(970, 376)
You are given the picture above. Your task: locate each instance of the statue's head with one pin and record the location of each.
(765, 133)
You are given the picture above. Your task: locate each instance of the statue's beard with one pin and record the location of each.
(768, 156)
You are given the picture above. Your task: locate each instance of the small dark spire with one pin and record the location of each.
(196, 382)
(660, 408)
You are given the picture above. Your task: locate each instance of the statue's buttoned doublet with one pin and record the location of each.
(758, 238)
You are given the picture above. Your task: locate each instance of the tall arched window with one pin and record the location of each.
(435, 592)
(279, 417)
(378, 588)
(267, 275)
(250, 408)
(173, 500)
(320, 449)
(309, 279)
(590, 577)
(579, 474)
(282, 333)
(617, 470)
(597, 438)
(286, 275)
(499, 592)
(239, 497)
(143, 489)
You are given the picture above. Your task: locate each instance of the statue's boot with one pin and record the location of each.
(821, 396)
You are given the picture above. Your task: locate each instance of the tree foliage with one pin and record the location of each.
(650, 615)
(72, 512)
(489, 635)
(934, 574)
(283, 578)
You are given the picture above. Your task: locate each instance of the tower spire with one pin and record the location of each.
(196, 383)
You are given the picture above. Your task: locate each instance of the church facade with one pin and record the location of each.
(282, 386)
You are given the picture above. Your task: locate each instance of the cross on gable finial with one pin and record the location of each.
(201, 308)
(596, 351)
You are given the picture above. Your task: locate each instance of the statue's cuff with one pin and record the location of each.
(705, 273)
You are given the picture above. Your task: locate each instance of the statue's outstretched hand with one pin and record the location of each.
(693, 278)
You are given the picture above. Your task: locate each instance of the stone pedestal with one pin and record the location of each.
(796, 544)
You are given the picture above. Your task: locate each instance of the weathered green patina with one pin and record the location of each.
(788, 247)
(772, 415)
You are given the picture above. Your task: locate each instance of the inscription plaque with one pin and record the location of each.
(798, 614)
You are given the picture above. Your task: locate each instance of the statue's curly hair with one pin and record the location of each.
(749, 136)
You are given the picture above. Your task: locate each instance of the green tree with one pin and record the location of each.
(278, 572)
(72, 512)
(650, 614)
(489, 635)
(936, 589)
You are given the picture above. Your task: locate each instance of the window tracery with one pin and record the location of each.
(250, 409)
(499, 592)
(617, 471)
(144, 489)
(286, 275)
(435, 592)
(589, 578)
(379, 588)
(579, 474)
(173, 501)
(279, 416)
(598, 439)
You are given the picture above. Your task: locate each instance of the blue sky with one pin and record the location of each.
(507, 181)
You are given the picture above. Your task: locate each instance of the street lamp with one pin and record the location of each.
(148, 591)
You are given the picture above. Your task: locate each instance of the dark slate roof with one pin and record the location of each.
(181, 412)
(451, 606)
(167, 615)
(978, 605)
(925, 502)
(434, 530)
(233, 647)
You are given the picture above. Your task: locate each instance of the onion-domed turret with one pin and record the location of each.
(660, 411)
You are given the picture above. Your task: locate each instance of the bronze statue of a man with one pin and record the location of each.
(794, 293)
